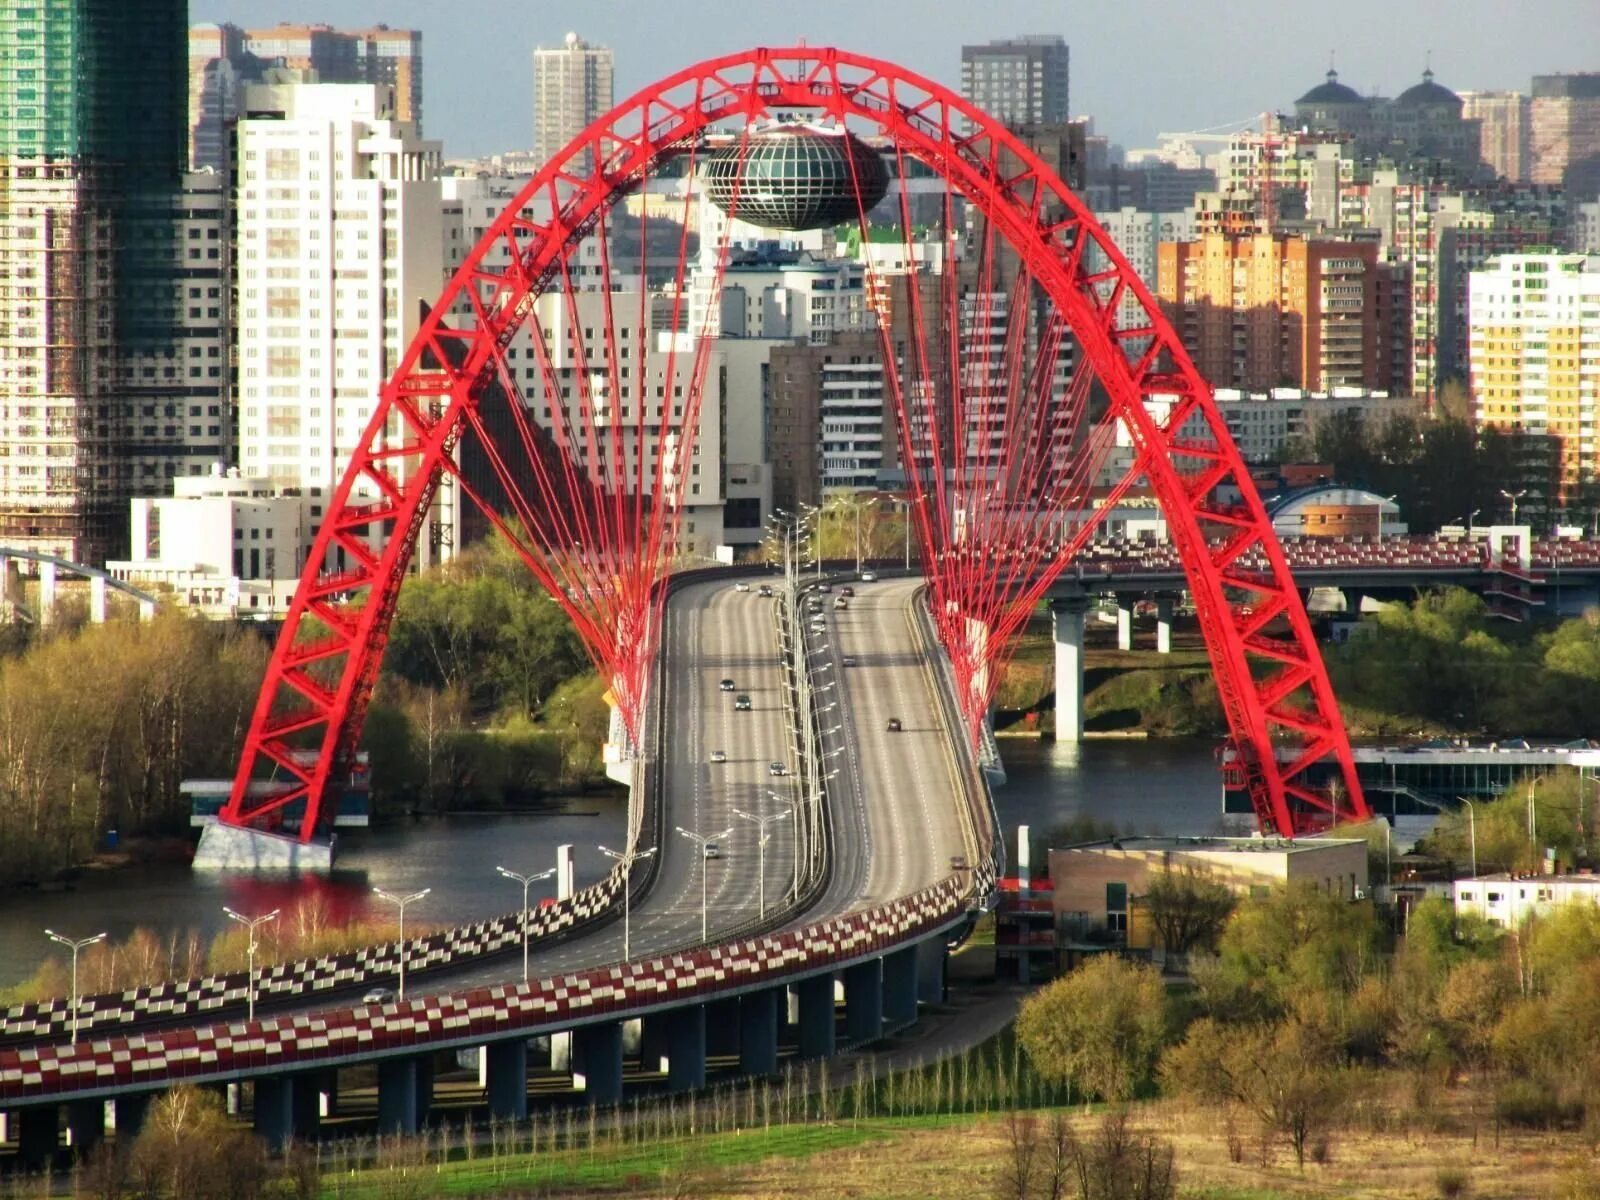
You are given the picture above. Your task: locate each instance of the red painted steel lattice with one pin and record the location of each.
(1010, 372)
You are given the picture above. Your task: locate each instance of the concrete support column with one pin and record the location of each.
(505, 1083)
(47, 591)
(86, 1125)
(147, 610)
(863, 1001)
(597, 1053)
(328, 1094)
(1067, 620)
(758, 1031)
(97, 599)
(1352, 601)
(275, 1110)
(722, 1027)
(686, 1066)
(1164, 606)
(816, 1016)
(1124, 624)
(932, 957)
(38, 1131)
(564, 876)
(561, 1051)
(900, 988)
(405, 1087)
(128, 1112)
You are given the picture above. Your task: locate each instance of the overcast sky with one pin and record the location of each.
(1138, 66)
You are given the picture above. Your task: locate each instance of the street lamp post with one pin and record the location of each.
(1472, 832)
(761, 823)
(74, 945)
(703, 840)
(251, 923)
(1533, 811)
(525, 881)
(1514, 497)
(627, 858)
(401, 902)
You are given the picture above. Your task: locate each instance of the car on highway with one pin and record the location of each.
(777, 768)
(869, 577)
(894, 724)
(712, 850)
(824, 587)
(766, 589)
(741, 586)
(814, 604)
(849, 660)
(378, 995)
(726, 685)
(840, 602)
(847, 590)
(741, 703)
(719, 756)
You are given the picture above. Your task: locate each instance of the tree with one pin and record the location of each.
(1188, 909)
(1284, 1073)
(1099, 1029)
(187, 1149)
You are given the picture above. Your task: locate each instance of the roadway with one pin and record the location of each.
(895, 795)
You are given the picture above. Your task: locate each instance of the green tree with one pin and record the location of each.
(1100, 1029)
(1188, 908)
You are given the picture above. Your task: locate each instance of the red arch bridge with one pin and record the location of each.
(561, 391)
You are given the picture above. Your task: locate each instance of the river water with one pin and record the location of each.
(1140, 786)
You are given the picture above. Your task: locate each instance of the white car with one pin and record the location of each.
(712, 850)
(869, 577)
(378, 995)
(719, 756)
(741, 586)
(777, 768)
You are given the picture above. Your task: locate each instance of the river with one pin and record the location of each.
(1140, 786)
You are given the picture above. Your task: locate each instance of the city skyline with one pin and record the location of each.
(1171, 56)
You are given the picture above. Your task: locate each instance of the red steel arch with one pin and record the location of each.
(1286, 728)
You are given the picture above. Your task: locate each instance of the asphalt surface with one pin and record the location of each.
(894, 796)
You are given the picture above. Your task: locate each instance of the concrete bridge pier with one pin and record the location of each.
(863, 1001)
(816, 1016)
(686, 1061)
(38, 1134)
(758, 1031)
(288, 1106)
(722, 1027)
(597, 1063)
(97, 599)
(86, 1126)
(655, 1043)
(1124, 623)
(932, 958)
(900, 988)
(1067, 621)
(1164, 607)
(405, 1091)
(47, 591)
(505, 1082)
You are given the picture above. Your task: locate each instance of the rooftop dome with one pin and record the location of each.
(1331, 92)
(796, 177)
(1426, 93)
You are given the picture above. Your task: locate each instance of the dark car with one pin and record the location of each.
(741, 703)
(847, 590)
(894, 724)
(726, 685)
(766, 589)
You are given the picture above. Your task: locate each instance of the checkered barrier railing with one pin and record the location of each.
(271, 1045)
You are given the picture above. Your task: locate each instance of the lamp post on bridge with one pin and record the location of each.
(525, 881)
(627, 858)
(251, 923)
(401, 902)
(74, 945)
(703, 840)
(761, 845)
(1514, 497)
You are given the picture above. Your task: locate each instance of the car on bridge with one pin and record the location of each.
(741, 703)
(776, 769)
(869, 577)
(849, 660)
(712, 850)
(766, 589)
(726, 685)
(894, 725)
(719, 756)
(378, 995)
(741, 586)
(840, 602)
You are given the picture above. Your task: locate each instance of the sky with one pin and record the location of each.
(1138, 66)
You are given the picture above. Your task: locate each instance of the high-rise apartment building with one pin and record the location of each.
(1565, 131)
(339, 246)
(91, 164)
(1535, 352)
(1504, 131)
(572, 85)
(223, 59)
(1020, 80)
(1278, 310)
